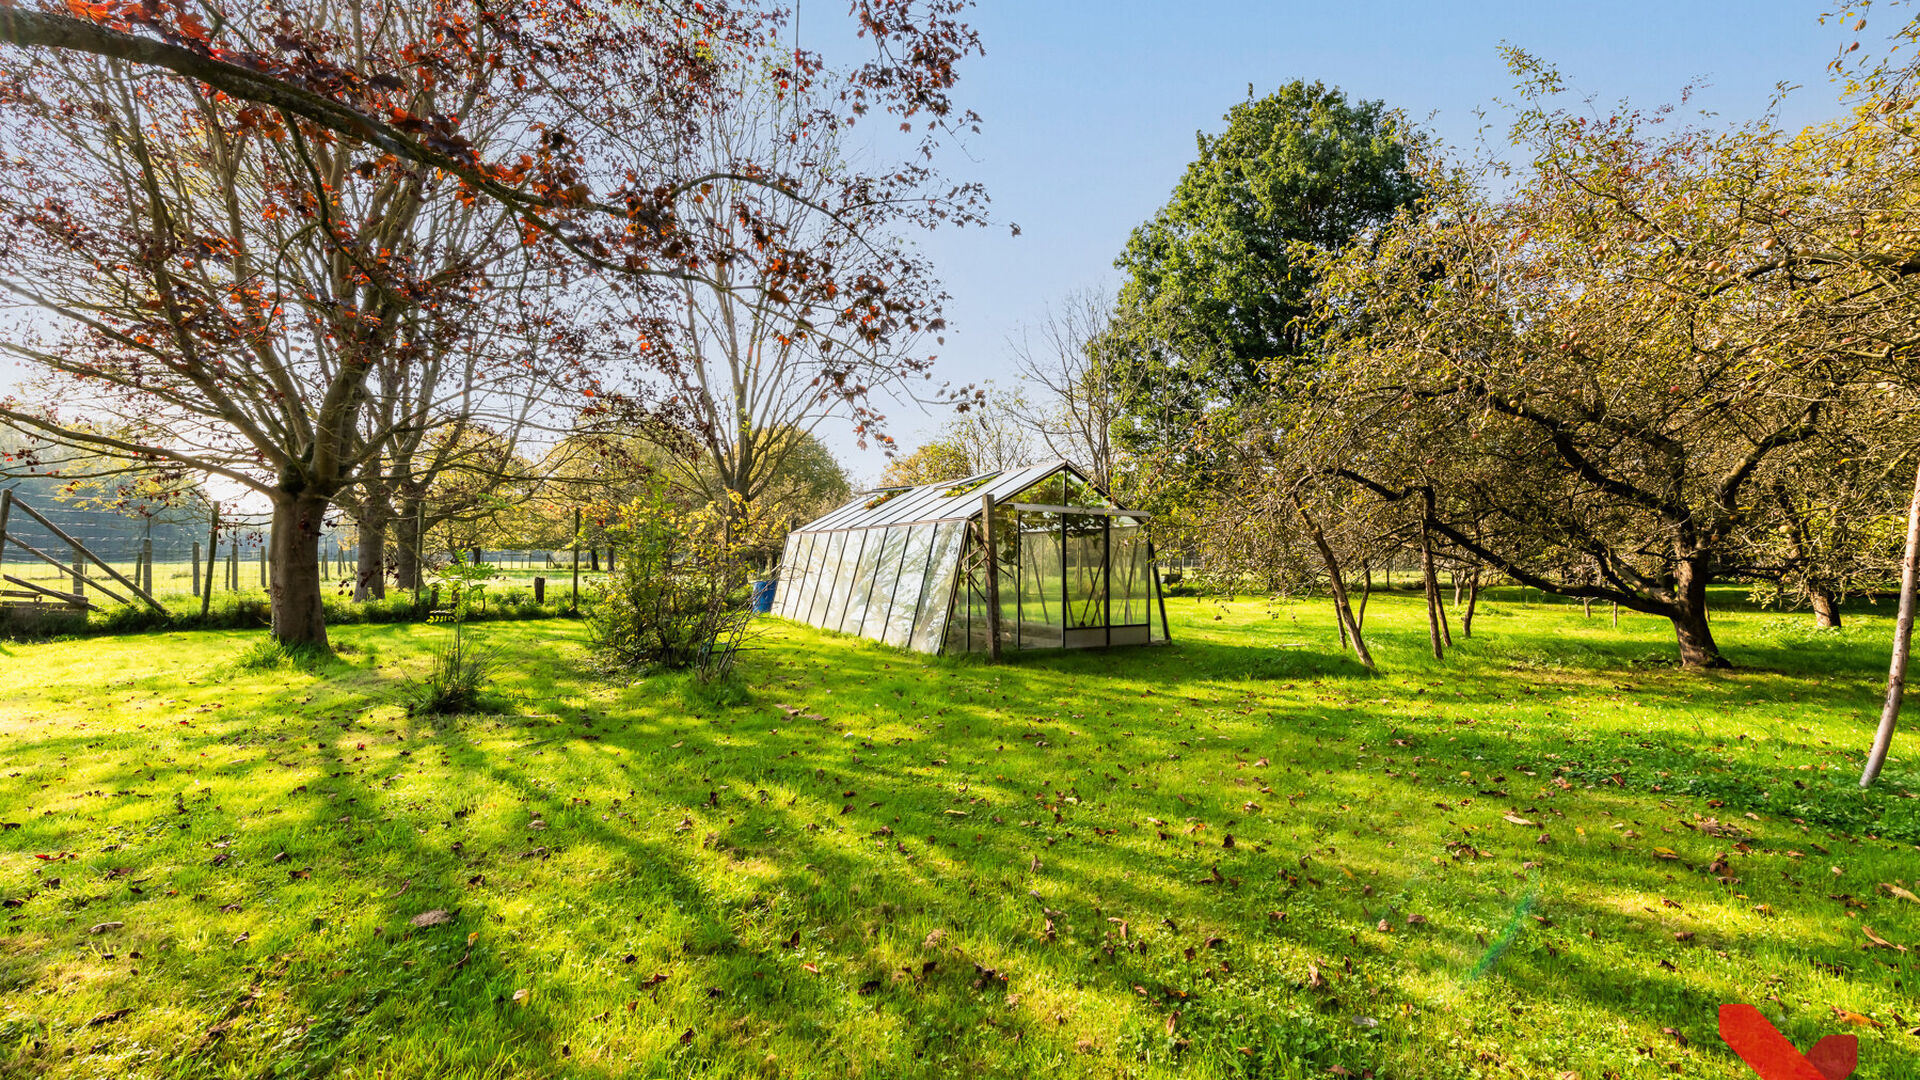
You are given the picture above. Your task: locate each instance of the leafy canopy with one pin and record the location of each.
(1302, 165)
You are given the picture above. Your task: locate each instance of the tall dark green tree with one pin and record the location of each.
(1217, 287)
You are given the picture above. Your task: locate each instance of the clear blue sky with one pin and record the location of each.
(1091, 107)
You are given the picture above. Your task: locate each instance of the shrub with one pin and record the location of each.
(679, 599)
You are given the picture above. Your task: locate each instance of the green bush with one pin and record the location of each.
(679, 599)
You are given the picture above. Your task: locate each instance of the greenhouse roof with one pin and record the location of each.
(959, 500)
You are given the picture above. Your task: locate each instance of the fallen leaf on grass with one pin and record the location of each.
(434, 917)
(654, 979)
(520, 996)
(1518, 820)
(1899, 893)
(109, 1017)
(1878, 941)
(810, 968)
(101, 928)
(1856, 1019)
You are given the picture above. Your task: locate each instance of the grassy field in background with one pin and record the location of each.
(1552, 855)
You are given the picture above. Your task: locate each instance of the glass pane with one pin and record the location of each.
(906, 597)
(1041, 599)
(790, 574)
(1086, 570)
(828, 585)
(1006, 552)
(1130, 587)
(930, 623)
(817, 578)
(1048, 492)
(1081, 493)
(813, 551)
(845, 596)
(886, 585)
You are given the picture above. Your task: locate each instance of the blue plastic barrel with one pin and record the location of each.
(763, 597)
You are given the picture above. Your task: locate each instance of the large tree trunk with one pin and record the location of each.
(1902, 643)
(370, 580)
(294, 552)
(1689, 616)
(1826, 609)
(406, 543)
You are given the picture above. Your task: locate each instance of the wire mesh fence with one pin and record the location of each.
(58, 556)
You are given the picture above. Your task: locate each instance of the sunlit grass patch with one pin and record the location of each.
(876, 863)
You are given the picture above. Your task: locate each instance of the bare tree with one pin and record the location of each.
(1082, 392)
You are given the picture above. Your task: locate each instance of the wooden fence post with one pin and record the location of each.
(79, 572)
(196, 568)
(263, 566)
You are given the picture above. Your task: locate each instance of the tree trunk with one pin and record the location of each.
(1473, 597)
(1826, 609)
(406, 543)
(1366, 593)
(1432, 583)
(370, 519)
(1689, 615)
(1338, 584)
(298, 616)
(1902, 643)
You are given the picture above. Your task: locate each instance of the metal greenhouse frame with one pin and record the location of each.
(1032, 558)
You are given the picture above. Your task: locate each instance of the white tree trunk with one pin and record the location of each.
(1902, 643)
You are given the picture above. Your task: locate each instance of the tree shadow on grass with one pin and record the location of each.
(728, 850)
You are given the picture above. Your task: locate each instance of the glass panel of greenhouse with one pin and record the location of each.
(914, 567)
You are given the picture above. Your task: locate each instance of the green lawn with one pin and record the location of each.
(1551, 856)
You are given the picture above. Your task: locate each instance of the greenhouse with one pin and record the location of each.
(1033, 558)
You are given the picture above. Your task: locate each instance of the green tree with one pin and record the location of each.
(941, 459)
(1218, 280)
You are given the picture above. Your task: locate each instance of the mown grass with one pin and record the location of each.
(884, 865)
